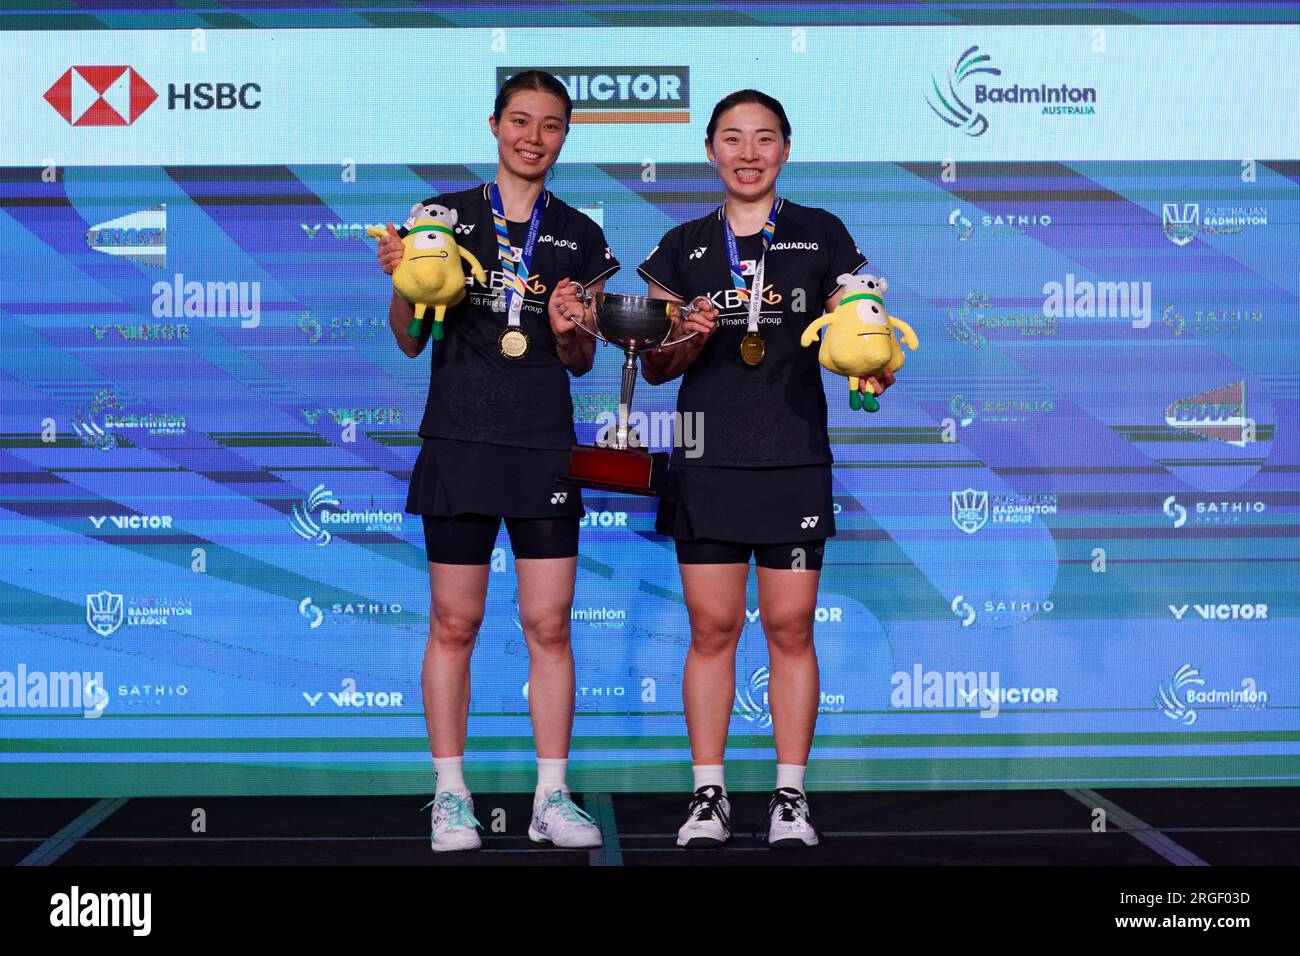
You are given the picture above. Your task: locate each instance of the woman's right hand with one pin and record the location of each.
(390, 251)
(702, 321)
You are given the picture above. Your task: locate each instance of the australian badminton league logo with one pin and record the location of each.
(950, 107)
(970, 509)
(1180, 223)
(104, 612)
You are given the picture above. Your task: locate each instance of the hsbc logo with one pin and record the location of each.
(100, 95)
(118, 95)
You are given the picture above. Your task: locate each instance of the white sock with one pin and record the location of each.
(708, 775)
(550, 777)
(450, 774)
(790, 775)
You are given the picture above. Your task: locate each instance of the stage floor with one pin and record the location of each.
(1173, 827)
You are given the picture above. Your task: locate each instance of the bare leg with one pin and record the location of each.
(457, 593)
(545, 605)
(786, 602)
(715, 602)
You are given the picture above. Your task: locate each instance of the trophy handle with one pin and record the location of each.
(586, 298)
(682, 311)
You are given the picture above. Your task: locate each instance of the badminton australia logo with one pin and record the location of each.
(951, 108)
(1175, 698)
(957, 99)
(310, 517)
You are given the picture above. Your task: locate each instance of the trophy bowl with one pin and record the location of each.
(633, 322)
(637, 322)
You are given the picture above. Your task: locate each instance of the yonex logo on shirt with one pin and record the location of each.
(809, 522)
(465, 228)
(559, 497)
(698, 253)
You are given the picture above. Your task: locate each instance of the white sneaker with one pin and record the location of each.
(707, 820)
(789, 824)
(559, 820)
(452, 821)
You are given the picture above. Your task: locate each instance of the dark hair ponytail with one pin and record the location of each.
(749, 96)
(538, 80)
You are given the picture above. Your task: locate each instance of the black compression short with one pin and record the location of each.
(800, 555)
(468, 539)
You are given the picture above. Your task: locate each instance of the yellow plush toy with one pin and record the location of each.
(430, 273)
(859, 340)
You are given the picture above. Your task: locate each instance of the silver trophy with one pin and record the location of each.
(635, 324)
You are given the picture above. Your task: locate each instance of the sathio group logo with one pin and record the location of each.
(360, 611)
(996, 225)
(1003, 611)
(1212, 320)
(1221, 511)
(957, 99)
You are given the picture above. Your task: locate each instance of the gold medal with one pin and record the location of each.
(513, 343)
(752, 349)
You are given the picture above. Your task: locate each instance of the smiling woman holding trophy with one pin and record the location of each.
(497, 432)
(762, 485)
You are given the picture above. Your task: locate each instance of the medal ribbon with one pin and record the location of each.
(733, 260)
(516, 273)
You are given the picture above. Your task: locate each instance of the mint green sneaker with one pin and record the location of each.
(453, 823)
(559, 820)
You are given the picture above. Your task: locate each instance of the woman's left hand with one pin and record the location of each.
(876, 384)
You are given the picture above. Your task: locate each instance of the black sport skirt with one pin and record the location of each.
(747, 505)
(463, 477)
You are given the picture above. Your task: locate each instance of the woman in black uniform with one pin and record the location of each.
(762, 484)
(497, 429)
